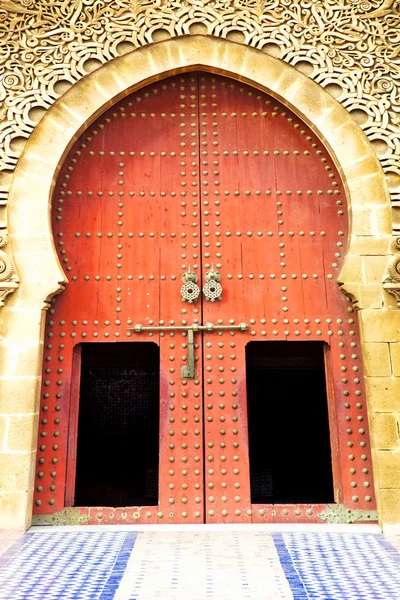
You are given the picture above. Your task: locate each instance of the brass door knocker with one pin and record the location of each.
(212, 289)
(190, 291)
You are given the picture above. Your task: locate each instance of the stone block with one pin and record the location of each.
(371, 245)
(380, 325)
(24, 359)
(352, 269)
(22, 325)
(29, 216)
(387, 469)
(383, 394)
(384, 431)
(3, 431)
(16, 471)
(22, 433)
(376, 359)
(373, 190)
(381, 219)
(16, 510)
(362, 221)
(35, 268)
(19, 395)
(395, 358)
(370, 295)
(371, 220)
(389, 506)
(36, 294)
(374, 268)
(362, 164)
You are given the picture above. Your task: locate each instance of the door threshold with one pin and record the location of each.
(372, 528)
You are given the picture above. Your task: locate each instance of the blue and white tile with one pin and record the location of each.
(219, 563)
(71, 566)
(332, 566)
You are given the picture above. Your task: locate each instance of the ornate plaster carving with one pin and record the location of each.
(8, 278)
(349, 48)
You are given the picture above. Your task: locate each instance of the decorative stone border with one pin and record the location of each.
(42, 276)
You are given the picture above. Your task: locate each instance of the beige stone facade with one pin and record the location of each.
(273, 53)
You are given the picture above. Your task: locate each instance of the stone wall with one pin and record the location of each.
(51, 87)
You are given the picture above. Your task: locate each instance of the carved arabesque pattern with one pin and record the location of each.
(349, 48)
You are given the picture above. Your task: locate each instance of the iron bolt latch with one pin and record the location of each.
(188, 371)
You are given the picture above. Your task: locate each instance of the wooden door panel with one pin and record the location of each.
(279, 249)
(121, 222)
(202, 172)
(181, 437)
(227, 489)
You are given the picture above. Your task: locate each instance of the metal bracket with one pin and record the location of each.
(67, 516)
(188, 371)
(338, 513)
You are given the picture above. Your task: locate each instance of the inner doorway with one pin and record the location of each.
(201, 215)
(289, 442)
(118, 424)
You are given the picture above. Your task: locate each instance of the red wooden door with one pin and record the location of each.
(201, 173)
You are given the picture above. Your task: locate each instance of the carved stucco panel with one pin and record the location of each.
(352, 49)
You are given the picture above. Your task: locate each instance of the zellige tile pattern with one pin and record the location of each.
(215, 564)
(333, 566)
(71, 566)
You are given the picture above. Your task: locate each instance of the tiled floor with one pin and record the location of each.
(199, 564)
(7, 539)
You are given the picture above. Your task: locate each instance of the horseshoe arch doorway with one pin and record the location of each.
(202, 364)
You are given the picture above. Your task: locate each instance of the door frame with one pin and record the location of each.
(44, 153)
(333, 425)
(74, 402)
(271, 510)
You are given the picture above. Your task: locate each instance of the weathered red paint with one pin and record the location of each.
(201, 171)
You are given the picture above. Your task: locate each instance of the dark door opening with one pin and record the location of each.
(289, 440)
(118, 425)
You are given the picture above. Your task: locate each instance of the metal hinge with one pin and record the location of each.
(67, 516)
(338, 513)
(188, 371)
